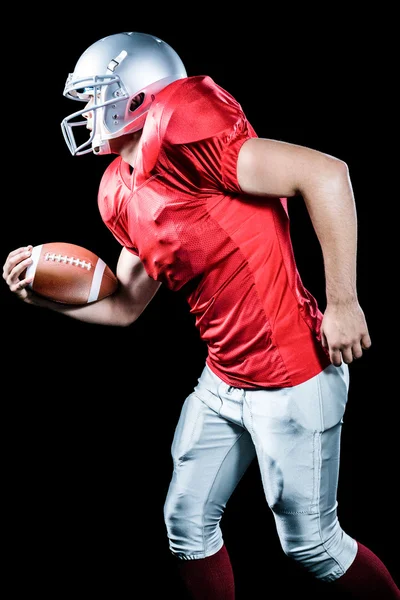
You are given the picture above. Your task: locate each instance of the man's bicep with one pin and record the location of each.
(277, 169)
(134, 281)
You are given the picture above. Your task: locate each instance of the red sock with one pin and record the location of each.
(209, 578)
(368, 578)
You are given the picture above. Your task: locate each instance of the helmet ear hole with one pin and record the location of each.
(136, 102)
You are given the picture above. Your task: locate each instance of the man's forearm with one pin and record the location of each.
(330, 203)
(110, 311)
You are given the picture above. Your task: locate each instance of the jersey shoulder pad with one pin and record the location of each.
(198, 109)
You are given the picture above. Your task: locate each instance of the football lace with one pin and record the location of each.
(62, 258)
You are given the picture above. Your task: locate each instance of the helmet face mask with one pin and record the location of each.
(112, 73)
(86, 90)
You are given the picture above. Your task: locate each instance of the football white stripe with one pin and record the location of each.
(31, 270)
(96, 281)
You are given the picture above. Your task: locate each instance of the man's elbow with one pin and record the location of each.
(128, 318)
(339, 175)
(339, 167)
(329, 173)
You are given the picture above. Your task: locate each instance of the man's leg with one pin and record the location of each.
(296, 432)
(210, 456)
(367, 578)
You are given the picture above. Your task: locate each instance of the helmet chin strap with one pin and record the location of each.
(101, 147)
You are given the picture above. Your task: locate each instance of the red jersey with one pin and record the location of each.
(183, 213)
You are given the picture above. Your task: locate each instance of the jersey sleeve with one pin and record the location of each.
(202, 131)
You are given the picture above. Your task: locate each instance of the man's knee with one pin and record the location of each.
(191, 532)
(181, 520)
(326, 559)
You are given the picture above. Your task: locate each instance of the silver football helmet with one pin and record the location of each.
(110, 74)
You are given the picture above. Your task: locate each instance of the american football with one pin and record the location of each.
(69, 274)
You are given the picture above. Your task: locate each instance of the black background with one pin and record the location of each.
(88, 412)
